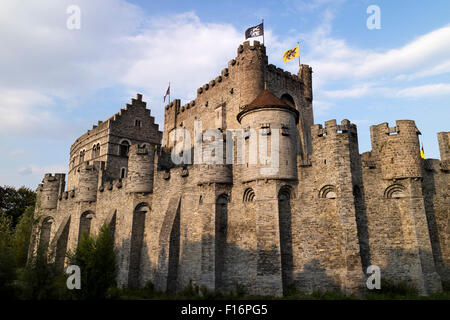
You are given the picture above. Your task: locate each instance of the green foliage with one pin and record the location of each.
(96, 257)
(7, 265)
(390, 291)
(40, 280)
(13, 202)
(22, 236)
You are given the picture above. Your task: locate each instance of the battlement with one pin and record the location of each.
(50, 189)
(397, 149)
(110, 185)
(86, 166)
(49, 177)
(444, 145)
(402, 128)
(274, 69)
(332, 128)
(67, 195)
(139, 149)
(246, 47)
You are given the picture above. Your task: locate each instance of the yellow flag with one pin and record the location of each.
(291, 54)
(422, 154)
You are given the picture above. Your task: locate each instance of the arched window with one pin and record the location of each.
(327, 192)
(44, 239)
(287, 98)
(395, 191)
(137, 239)
(85, 224)
(82, 156)
(285, 228)
(95, 150)
(123, 173)
(124, 147)
(249, 195)
(221, 238)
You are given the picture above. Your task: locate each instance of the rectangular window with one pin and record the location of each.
(265, 129)
(284, 130)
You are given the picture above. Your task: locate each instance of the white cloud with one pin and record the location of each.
(20, 113)
(18, 153)
(181, 49)
(39, 171)
(335, 59)
(428, 90)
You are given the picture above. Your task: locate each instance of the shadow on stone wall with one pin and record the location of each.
(429, 190)
(240, 272)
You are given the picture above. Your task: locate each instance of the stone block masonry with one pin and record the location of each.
(316, 223)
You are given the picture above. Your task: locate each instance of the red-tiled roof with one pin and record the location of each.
(266, 99)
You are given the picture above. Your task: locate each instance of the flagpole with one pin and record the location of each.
(263, 29)
(169, 92)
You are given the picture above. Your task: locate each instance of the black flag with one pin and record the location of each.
(255, 31)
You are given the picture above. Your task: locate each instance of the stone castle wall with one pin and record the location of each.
(318, 223)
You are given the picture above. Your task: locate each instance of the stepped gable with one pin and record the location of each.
(266, 99)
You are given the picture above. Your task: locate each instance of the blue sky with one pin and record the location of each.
(56, 83)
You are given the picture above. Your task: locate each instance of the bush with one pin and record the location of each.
(40, 280)
(96, 257)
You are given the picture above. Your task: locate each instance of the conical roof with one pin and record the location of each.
(266, 99)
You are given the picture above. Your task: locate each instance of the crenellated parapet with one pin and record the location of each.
(332, 128)
(51, 188)
(444, 148)
(88, 180)
(334, 146)
(397, 149)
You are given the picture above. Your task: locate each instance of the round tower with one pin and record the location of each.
(49, 190)
(219, 172)
(248, 70)
(398, 149)
(270, 138)
(140, 169)
(88, 182)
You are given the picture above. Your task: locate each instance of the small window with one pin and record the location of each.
(82, 156)
(124, 147)
(265, 129)
(137, 123)
(284, 130)
(123, 173)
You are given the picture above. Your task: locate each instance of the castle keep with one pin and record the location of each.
(317, 222)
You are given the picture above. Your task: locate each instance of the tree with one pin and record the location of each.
(96, 257)
(40, 279)
(13, 202)
(22, 236)
(7, 265)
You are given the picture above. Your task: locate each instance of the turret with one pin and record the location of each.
(444, 145)
(335, 155)
(140, 169)
(50, 189)
(397, 149)
(219, 172)
(170, 120)
(88, 181)
(305, 74)
(248, 70)
(269, 123)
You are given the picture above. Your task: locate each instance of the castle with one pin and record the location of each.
(317, 222)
